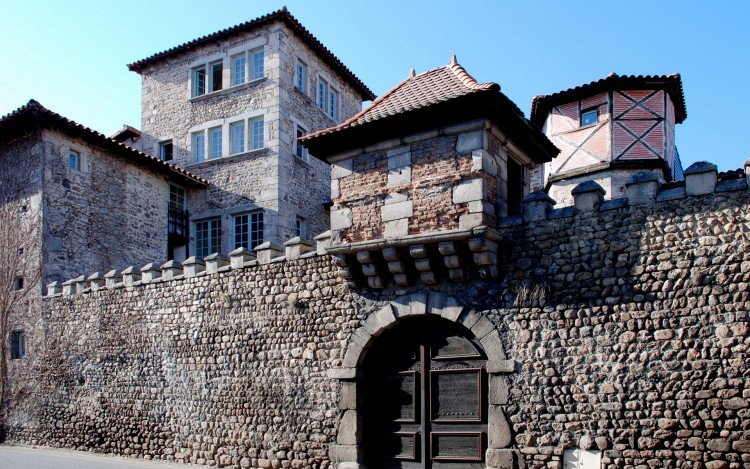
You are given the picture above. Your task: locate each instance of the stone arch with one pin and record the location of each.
(348, 451)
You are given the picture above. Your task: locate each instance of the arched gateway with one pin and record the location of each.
(423, 386)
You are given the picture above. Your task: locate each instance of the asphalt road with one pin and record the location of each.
(25, 457)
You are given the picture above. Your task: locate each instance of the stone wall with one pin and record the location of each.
(625, 325)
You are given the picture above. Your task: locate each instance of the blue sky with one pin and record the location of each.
(71, 55)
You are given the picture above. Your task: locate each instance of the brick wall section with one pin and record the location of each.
(629, 328)
(428, 185)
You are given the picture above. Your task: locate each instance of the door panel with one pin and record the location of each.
(424, 397)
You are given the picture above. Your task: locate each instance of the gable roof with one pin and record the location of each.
(282, 15)
(436, 93)
(672, 84)
(34, 115)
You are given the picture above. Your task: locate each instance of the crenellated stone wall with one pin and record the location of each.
(617, 327)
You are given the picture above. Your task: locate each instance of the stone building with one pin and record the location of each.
(102, 205)
(229, 107)
(608, 130)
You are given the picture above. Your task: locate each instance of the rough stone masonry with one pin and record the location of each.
(625, 326)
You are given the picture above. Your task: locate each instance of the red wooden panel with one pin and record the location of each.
(598, 144)
(622, 139)
(600, 100)
(656, 103)
(638, 151)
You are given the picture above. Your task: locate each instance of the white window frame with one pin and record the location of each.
(212, 82)
(254, 234)
(300, 227)
(300, 76)
(252, 55)
(257, 141)
(212, 238)
(251, 140)
(213, 132)
(199, 149)
(333, 103)
(163, 150)
(196, 84)
(232, 61)
(322, 94)
(241, 148)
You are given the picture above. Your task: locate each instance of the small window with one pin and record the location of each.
(333, 103)
(248, 230)
(257, 64)
(237, 136)
(199, 81)
(589, 117)
(17, 344)
(216, 73)
(322, 94)
(207, 237)
(239, 62)
(299, 149)
(18, 283)
(256, 136)
(176, 197)
(199, 147)
(74, 160)
(301, 227)
(214, 142)
(301, 79)
(165, 150)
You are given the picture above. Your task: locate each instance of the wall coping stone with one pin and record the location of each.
(562, 212)
(701, 167)
(586, 187)
(267, 252)
(674, 193)
(54, 288)
(613, 204)
(641, 176)
(193, 266)
(296, 247)
(731, 185)
(214, 262)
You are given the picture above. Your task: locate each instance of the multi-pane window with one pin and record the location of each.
(214, 142)
(199, 81)
(237, 135)
(17, 344)
(301, 227)
(199, 146)
(256, 133)
(301, 78)
(299, 149)
(176, 197)
(248, 230)
(165, 150)
(589, 117)
(239, 62)
(74, 160)
(333, 103)
(322, 94)
(257, 63)
(207, 237)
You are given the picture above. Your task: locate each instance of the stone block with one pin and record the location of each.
(642, 188)
(482, 327)
(399, 157)
(54, 288)
(322, 242)
(96, 281)
(399, 176)
(268, 251)
(377, 322)
(588, 196)
(482, 160)
(415, 303)
(444, 306)
(344, 453)
(170, 270)
(192, 266)
(240, 256)
(130, 275)
(700, 178)
(341, 168)
(295, 247)
(471, 220)
(501, 458)
(335, 189)
(469, 141)
(350, 428)
(214, 262)
(498, 390)
(498, 430)
(112, 277)
(348, 395)
(396, 211)
(396, 228)
(490, 341)
(467, 191)
(348, 373)
(395, 198)
(341, 218)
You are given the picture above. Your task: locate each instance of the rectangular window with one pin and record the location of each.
(239, 62)
(176, 197)
(199, 81)
(165, 150)
(257, 71)
(237, 134)
(322, 94)
(301, 227)
(256, 136)
(301, 79)
(199, 146)
(333, 103)
(74, 160)
(299, 149)
(248, 230)
(207, 237)
(17, 344)
(214, 142)
(18, 283)
(589, 117)
(216, 72)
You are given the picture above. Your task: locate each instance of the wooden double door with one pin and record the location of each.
(424, 397)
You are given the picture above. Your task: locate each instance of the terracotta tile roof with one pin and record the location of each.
(125, 133)
(444, 96)
(34, 115)
(542, 105)
(279, 15)
(417, 91)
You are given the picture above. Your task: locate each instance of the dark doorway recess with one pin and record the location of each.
(425, 397)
